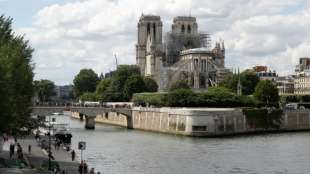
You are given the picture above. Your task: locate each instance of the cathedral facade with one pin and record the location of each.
(184, 54)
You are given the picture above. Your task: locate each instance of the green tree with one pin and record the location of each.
(85, 81)
(266, 93)
(181, 98)
(248, 80)
(134, 84)
(16, 78)
(102, 88)
(115, 92)
(88, 96)
(45, 89)
(181, 84)
(150, 85)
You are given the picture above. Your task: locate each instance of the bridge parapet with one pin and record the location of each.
(89, 111)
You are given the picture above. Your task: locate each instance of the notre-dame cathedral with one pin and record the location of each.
(185, 53)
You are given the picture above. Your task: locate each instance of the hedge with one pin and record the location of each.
(187, 98)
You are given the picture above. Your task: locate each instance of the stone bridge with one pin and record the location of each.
(89, 113)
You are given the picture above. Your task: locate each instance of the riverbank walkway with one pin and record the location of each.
(37, 155)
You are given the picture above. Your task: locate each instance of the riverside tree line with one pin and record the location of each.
(16, 78)
(126, 84)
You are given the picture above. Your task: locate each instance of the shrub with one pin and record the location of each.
(181, 98)
(144, 99)
(179, 85)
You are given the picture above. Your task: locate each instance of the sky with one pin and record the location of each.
(69, 35)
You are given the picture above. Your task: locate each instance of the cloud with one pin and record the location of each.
(87, 33)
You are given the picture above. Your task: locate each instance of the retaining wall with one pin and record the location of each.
(199, 121)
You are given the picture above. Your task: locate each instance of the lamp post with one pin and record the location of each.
(49, 143)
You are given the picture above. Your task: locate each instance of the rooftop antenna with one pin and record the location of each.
(116, 64)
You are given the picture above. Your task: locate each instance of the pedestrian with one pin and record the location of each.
(81, 168)
(73, 155)
(58, 144)
(55, 144)
(50, 155)
(63, 172)
(12, 149)
(92, 171)
(85, 170)
(29, 148)
(19, 152)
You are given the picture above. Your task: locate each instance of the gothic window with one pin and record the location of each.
(189, 29)
(154, 30)
(148, 30)
(183, 29)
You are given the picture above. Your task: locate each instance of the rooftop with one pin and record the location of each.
(149, 17)
(200, 50)
(184, 18)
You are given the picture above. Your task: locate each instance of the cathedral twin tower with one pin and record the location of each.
(156, 58)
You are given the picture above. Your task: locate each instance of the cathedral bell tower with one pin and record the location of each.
(149, 46)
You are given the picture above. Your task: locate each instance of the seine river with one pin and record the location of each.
(116, 150)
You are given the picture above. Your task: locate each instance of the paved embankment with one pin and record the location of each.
(36, 157)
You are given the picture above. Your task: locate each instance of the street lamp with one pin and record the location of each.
(49, 143)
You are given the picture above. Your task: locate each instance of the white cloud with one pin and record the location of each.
(87, 34)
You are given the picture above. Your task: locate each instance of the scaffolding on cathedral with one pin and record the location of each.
(175, 43)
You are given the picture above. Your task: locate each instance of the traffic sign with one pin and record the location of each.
(82, 145)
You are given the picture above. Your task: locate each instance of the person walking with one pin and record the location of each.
(29, 148)
(12, 149)
(85, 170)
(19, 152)
(73, 155)
(81, 168)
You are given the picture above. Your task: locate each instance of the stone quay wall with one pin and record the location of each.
(199, 121)
(296, 120)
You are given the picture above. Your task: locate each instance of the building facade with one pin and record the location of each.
(263, 73)
(302, 79)
(285, 85)
(183, 55)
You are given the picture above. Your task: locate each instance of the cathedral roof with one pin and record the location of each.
(196, 51)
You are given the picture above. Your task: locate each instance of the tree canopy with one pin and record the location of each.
(88, 96)
(248, 80)
(85, 81)
(121, 84)
(44, 89)
(16, 78)
(150, 84)
(266, 93)
(134, 84)
(181, 84)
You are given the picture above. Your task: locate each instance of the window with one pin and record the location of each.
(189, 29)
(183, 29)
(148, 28)
(199, 128)
(154, 30)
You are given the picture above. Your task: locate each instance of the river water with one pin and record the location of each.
(116, 150)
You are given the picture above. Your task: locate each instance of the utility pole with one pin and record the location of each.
(116, 61)
(49, 143)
